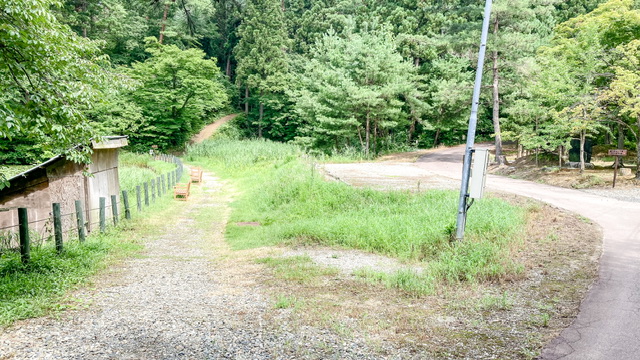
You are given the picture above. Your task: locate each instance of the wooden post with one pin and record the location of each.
(80, 221)
(159, 187)
(103, 214)
(153, 190)
(57, 226)
(114, 209)
(138, 198)
(615, 171)
(25, 246)
(146, 193)
(125, 200)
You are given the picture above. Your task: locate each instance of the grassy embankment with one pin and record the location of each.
(39, 287)
(282, 191)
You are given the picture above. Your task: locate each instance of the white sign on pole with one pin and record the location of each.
(478, 173)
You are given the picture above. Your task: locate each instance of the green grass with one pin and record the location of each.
(294, 205)
(136, 169)
(39, 287)
(300, 269)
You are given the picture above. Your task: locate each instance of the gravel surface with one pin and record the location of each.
(631, 195)
(186, 297)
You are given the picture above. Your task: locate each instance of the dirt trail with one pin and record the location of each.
(608, 324)
(187, 296)
(212, 128)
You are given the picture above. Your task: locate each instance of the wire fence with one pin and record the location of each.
(58, 228)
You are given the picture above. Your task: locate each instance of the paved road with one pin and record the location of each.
(608, 324)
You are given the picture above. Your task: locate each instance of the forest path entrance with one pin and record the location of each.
(608, 324)
(186, 296)
(212, 128)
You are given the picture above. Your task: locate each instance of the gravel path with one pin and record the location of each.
(632, 195)
(187, 297)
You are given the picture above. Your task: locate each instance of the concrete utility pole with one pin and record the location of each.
(471, 133)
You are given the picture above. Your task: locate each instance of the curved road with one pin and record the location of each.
(608, 324)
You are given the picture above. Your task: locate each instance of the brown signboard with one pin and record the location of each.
(617, 152)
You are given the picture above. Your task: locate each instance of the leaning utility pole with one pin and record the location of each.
(471, 133)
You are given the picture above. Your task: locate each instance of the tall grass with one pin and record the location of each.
(294, 204)
(135, 169)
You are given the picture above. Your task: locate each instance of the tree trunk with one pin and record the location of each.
(560, 156)
(246, 101)
(375, 137)
(496, 100)
(416, 62)
(260, 117)
(583, 136)
(164, 22)
(228, 70)
(360, 137)
(412, 127)
(367, 135)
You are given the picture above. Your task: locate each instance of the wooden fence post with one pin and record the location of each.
(146, 193)
(80, 221)
(153, 190)
(138, 198)
(159, 187)
(103, 214)
(25, 246)
(125, 200)
(114, 209)
(57, 227)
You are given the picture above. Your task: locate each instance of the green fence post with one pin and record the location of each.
(114, 209)
(103, 214)
(164, 183)
(23, 221)
(159, 187)
(57, 226)
(153, 190)
(138, 198)
(146, 193)
(125, 200)
(80, 221)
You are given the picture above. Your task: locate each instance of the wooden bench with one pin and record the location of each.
(196, 175)
(181, 191)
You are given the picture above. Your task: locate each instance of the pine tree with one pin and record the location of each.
(260, 53)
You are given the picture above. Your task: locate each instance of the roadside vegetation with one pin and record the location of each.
(43, 285)
(283, 191)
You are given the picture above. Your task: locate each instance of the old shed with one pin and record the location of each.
(59, 180)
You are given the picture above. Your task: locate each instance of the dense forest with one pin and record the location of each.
(331, 75)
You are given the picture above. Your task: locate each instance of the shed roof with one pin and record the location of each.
(106, 142)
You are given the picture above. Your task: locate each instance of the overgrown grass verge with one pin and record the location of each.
(135, 169)
(40, 287)
(292, 202)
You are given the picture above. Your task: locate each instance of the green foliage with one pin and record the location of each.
(352, 89)
(136, 169)
(48, 76)
(33, 290)
(294, 204)
(178, 89)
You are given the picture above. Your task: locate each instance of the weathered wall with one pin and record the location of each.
(104, 182)
(28, 192)
(62, 181)
(66, 185)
